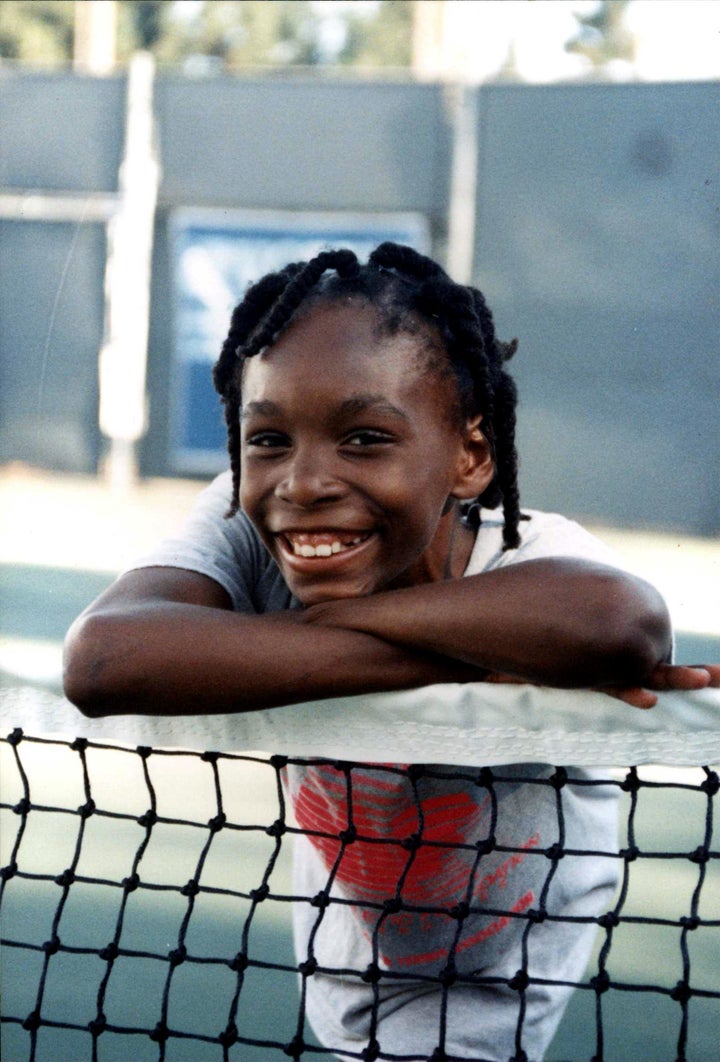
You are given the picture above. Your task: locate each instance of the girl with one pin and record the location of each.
(356, 547)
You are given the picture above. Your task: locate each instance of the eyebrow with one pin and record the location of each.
(360, 403)
(261, 409)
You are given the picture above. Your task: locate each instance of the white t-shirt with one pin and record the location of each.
(430, 898)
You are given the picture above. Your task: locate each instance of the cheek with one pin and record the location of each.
(434, 472)
(250, 490)
(245, 486)
(417, 512)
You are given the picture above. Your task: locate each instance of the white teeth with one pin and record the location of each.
(324, 549)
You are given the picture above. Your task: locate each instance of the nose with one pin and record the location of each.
(308, 481)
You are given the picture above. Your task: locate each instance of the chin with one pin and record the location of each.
(317, 595)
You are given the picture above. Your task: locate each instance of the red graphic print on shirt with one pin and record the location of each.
(382, 859)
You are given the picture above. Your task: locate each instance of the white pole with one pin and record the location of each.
(463, 182)
(123, 358)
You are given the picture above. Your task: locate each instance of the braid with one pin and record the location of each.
(231, 403)
(502, 416)
(405, 260)
(258, 301)
(295, 292)
(405, 288)
(506, 459)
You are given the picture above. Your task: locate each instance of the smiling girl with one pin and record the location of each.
(369, 537)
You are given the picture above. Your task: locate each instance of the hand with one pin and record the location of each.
(667, 677)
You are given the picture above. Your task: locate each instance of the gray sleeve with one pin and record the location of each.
(542, 535)
(226, 550)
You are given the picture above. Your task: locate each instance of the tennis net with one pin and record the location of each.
(146, 898)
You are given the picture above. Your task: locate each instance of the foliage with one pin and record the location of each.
(385, 40)
(36, 30)
(221, 34)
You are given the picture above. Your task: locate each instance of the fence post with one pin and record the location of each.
(123, 358)
(463, 182)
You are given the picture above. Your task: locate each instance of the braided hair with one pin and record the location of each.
(409, 293)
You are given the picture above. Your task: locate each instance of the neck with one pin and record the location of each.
(448, 573)
(449, 552)
(460, 546)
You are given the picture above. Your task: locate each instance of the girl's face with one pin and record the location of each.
(350, 451)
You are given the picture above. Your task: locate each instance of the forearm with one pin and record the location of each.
(174, 658)
(555, 622)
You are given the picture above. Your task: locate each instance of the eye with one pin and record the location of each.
(267, 440)
(367, 437)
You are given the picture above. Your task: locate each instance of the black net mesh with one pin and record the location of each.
(147, 895)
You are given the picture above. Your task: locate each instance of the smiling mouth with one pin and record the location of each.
(322, 543)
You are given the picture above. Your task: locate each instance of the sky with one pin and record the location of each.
(675, 39)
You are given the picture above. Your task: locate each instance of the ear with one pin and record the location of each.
(476, 467)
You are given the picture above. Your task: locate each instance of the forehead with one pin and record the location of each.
(344, 344)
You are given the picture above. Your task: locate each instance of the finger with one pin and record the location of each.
(635, 696)
(681, 677)
(500, 677)
(713, 670)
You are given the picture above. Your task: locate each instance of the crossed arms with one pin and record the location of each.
(165, 641)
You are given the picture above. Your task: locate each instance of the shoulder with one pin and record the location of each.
(207, 532)
(226, 549)
(541, 535)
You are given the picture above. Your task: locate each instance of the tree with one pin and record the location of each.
(251, 33)
(223, 34)
(383, 40)
(240, 33)
(147, 18)
(37, 30)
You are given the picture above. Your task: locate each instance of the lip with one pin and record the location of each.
(325, 563)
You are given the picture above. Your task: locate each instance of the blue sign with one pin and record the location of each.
(216, 255)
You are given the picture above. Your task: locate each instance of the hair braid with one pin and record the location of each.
(259, 299)
(405, 260)
(471, 351)
(506, 460)
(344, 262)
(231, 403)
(504, 488)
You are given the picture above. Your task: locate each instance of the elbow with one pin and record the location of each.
(638, 630)
(88, 679)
